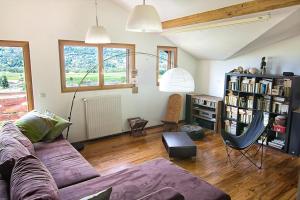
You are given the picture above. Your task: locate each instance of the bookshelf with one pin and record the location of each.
(277, 96)
(204, 110)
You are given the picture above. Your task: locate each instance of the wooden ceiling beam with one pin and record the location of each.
(241, 9)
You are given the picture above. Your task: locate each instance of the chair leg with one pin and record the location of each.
(245, 154)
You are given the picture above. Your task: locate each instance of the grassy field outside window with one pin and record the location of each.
(109, 65)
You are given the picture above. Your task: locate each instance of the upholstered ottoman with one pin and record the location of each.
(179, 144)
(195, 132)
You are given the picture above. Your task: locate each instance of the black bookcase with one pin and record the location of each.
(278, 96)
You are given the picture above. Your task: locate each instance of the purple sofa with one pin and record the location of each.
(156, 179)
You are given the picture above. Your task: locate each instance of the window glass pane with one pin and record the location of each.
(115, 68)
(78, 61)
(163, 63)
(13, 99)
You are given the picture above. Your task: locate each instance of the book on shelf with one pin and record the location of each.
(248, 85)
(264, 103)
(230, 127)
(277, 143)
(246, 102)
(282, 87)
(280, 106)
(231, 99)
(245, 116)
(233, 83)
(231, 112)
(266, 118)
(264, 86)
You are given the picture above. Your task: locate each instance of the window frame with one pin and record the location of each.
(27, 68)
(170, 66)
(100, 47)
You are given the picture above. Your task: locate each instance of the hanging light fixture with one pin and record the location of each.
(177, 80)
(97, 34)
(144, 18)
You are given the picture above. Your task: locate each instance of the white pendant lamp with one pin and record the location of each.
(144, 18)
(97, 34)
(177, 80)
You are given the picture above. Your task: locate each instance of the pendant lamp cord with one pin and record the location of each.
(96, 6)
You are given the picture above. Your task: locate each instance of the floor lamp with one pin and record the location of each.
(173, 80)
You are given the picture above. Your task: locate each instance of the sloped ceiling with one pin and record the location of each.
(228, 41)
(170, 9)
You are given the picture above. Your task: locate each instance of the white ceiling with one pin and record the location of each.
(223, 42)
(170, 9)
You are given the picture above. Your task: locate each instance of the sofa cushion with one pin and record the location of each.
(35, 125)
(4, 193)
(30, 180)
(138, 181)
(166, 193)
(65, 164)
(10, 150)
(11, 129)
(59, 127)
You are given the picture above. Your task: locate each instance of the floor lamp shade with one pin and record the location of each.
(177, 80)
(97, 35)
(144, 18)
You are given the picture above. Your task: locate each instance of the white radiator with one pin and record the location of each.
(103, 116)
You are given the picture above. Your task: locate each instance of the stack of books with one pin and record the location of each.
(264, 86)
(232, 112)
(277, 143)
(230, 127)
(245, 116)
(248, 85)
(264, 103)
(233, 83)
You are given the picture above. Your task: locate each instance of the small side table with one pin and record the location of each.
(137, 125)
(195, 132)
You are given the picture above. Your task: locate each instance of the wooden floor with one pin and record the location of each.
(277, 180)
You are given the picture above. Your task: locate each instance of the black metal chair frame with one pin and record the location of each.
(245, 152)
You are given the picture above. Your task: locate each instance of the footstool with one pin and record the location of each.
(179, 144)
(195, 132)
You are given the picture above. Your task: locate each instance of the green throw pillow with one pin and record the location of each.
(57, 130)
(35, 125)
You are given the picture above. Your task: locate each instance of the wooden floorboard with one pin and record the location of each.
(277, 180)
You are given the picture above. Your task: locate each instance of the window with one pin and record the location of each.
(167, 59)
(110, 65)
(15, 80)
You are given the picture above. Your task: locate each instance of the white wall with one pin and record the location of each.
(283, 56)
(43, 22)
